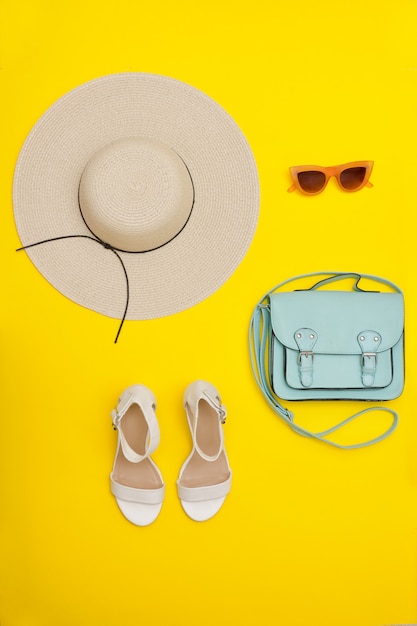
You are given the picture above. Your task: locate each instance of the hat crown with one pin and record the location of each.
(136, 194)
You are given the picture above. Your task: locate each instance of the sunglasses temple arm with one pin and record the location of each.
(369, 184)
(291, 189)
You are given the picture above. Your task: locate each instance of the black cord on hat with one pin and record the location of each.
(105, 245)
(115, 251)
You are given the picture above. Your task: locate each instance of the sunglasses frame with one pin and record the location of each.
(335, 171)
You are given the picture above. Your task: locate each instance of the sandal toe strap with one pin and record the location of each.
(200, 494)
(142, 496)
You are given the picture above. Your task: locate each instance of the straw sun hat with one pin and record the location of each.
(136, 195)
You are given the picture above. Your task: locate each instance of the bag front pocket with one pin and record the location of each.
(337, 344)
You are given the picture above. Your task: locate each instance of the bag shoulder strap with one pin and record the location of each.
(260, 334)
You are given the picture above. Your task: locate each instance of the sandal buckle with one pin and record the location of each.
(116, 419)
(217, 404)
(222, 414)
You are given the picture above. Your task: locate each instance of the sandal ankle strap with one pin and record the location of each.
(217, 405)
(153, 436)
(221, 411)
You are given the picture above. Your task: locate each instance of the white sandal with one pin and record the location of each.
(205, 477)
(135, 481)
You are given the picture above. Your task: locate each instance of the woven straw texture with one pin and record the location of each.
(205, 253)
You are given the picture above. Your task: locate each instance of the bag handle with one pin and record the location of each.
(334, 276)
(260, 334)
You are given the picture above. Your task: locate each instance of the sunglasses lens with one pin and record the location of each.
(311, 182)
(352, 177)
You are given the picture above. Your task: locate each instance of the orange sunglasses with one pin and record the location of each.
(312, 179)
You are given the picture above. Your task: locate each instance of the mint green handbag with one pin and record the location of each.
(313, 344)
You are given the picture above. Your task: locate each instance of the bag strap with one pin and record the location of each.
(260, 334)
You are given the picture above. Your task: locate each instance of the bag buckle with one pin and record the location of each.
(369, 355)
(305, 353)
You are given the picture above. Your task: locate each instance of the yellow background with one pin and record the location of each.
(309, 534)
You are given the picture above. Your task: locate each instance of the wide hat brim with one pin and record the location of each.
(191, 266)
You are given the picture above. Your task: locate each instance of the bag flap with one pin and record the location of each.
(337, 318)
